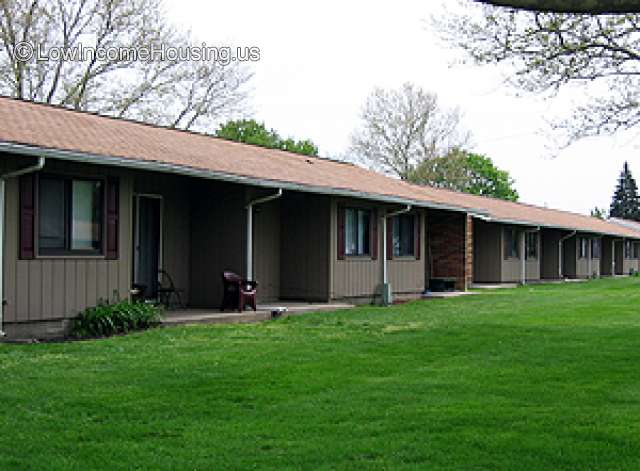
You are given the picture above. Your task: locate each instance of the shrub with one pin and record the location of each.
(106, 319)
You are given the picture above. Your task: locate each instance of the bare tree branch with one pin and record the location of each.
(401, 128)
(185, 94)
(550, 52)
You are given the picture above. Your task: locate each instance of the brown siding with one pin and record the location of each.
(630, 265)
(549, 252)
(569, 257)
(512, 267)
(619, 255)
(305, 244)
(217, 239)
(487, 252)
(607, 257)
(361, 277)
(56, 288)
(407, 275)
(266, 250)
(176, 225)
(582, 264)
(533, 267)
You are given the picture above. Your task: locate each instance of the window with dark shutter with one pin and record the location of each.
(113, 219)
(374, 235)
(357, 232)
(531, 249)
(341, 234)
(416, 238)
(70, 215)
(511, 248)
(27, 216)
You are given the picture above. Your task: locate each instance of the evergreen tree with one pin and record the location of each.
(626, 203)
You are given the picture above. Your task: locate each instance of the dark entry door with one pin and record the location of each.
(148, 243)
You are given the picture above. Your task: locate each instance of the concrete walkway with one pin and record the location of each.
(264, 312)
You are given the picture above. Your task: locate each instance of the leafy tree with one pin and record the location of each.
(626, 202)
(400, 128)
(250, 131)
(550, 52)
(572, 6)
(467, 172)
(600, 213)
(170, 91)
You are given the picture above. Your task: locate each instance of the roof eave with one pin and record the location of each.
(513, 222)
(136, 164)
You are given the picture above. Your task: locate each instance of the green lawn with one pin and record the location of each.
(544, 377)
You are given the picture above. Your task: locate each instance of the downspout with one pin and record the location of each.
(589, 264)
(3, 178)
(613, 258)
(560, 248)
(249, 207)
(386, 288)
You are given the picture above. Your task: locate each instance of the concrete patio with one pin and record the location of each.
(264, 312)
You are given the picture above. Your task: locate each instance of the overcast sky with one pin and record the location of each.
(320, 60)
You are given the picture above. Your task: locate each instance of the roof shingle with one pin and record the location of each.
(54, 128)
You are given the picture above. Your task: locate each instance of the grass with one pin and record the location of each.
(544, 377)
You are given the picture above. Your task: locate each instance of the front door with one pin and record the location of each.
(148, 243)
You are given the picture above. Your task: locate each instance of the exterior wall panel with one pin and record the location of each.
(606, 262)
(176, 225)
(487, 266)
(217, 239)
(361, 277)
(57, 288)
(305, 241)
(569, 257)
(266, 250)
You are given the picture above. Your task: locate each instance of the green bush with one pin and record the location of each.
(110, 319)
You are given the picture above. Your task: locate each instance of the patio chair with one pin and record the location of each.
(167, 291)
(238, 293)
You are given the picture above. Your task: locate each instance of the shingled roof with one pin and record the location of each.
(37, 129)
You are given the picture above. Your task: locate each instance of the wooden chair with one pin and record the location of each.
(167, 290)
(238, 293)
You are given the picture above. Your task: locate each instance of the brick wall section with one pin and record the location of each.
(468, 266)
(447, 237)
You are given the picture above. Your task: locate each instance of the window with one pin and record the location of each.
(636, 251)
(628, 249)
(511, 249)
(357, 231)
(70, 217)
(584, 247)
(595, 248)
(532, 246)
(404, 236)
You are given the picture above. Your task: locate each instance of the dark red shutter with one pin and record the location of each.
(27, 216)
(113, 216)
(389, 223)
(374, 234)
(416, 235)
(341, 241)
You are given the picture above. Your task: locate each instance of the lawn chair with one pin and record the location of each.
(238, 293)
(167, 291)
